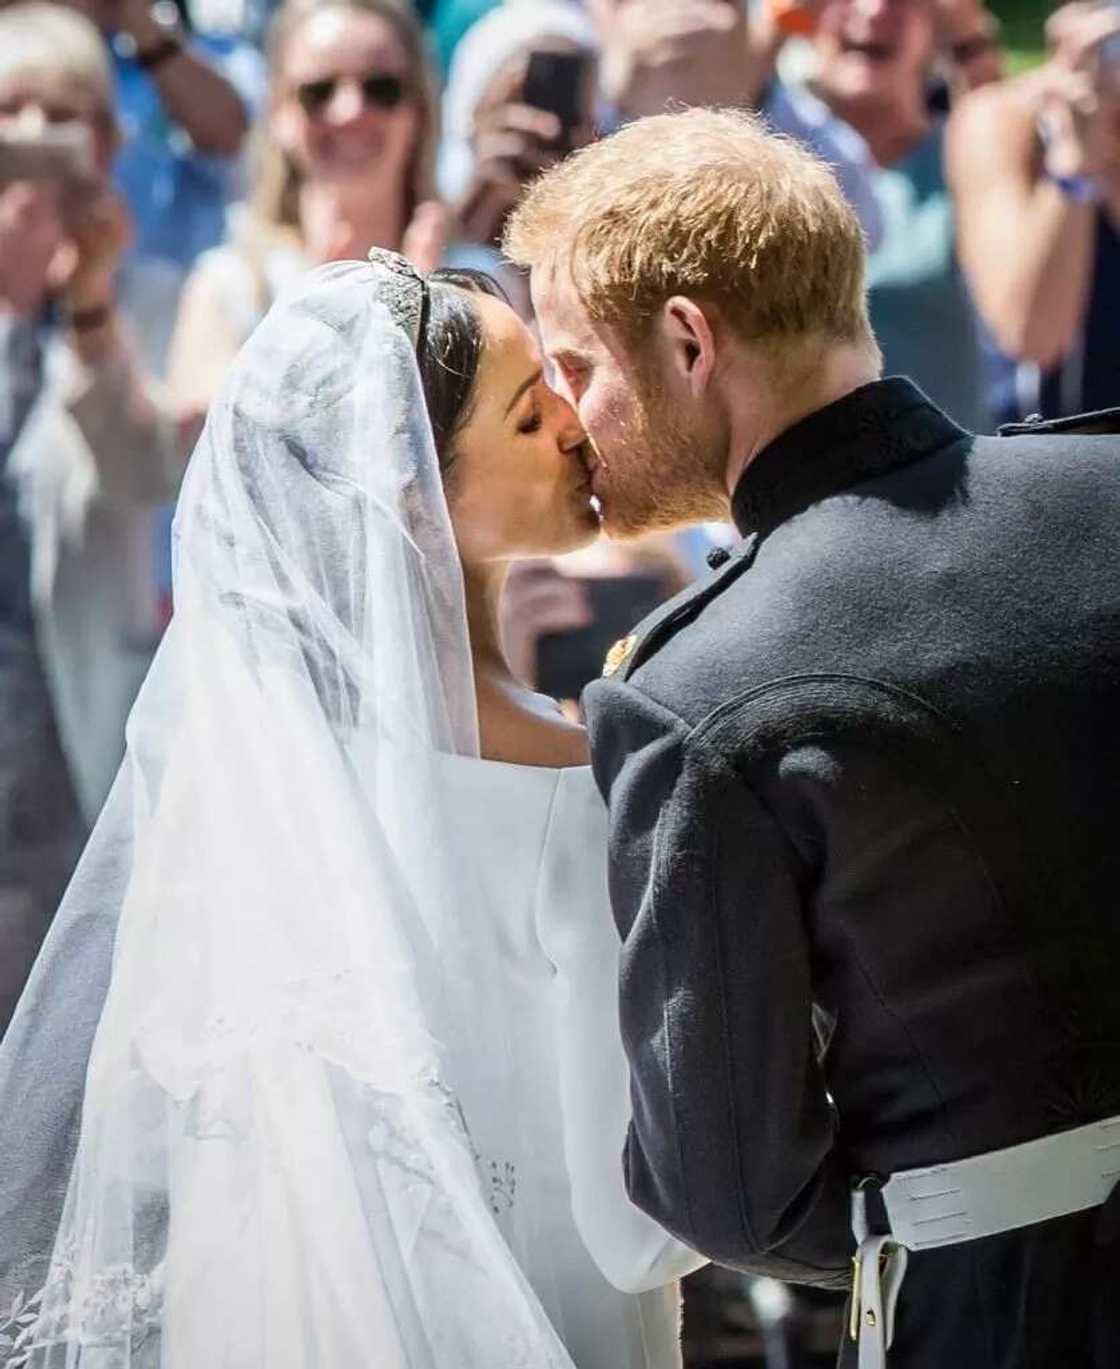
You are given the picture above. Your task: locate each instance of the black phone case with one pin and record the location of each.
(554, 83)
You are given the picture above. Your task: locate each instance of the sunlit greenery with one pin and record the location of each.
(1022, 29)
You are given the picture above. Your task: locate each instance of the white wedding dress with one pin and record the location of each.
(354, 966)
(555, 1184)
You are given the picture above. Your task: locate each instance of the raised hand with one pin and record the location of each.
(31, 235)
(512, 143)
(98, 232)
(1078, 93)
(693, 52)
(538, 600)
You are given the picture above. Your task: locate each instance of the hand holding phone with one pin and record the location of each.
(538, 600)
(512, 142)
(557, 83)
(1078, 92)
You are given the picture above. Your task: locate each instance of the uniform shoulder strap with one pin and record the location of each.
(1087, 425)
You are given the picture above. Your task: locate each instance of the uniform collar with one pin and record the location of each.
(875, 429)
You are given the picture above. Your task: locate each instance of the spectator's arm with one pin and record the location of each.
(767, 38)
(129, 426)
(125, 419)
(201, 100)
(206, 337)
(658, 53)
(1025, 245)
(732, 1145)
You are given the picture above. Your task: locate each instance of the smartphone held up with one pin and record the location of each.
(60, 155)
(559, 84)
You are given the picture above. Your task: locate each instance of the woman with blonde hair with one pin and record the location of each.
(343, 161)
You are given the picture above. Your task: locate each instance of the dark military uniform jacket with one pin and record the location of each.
(865, 860)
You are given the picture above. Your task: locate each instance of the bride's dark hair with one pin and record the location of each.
(449, 351)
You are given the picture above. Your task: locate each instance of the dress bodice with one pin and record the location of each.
(553, 1174)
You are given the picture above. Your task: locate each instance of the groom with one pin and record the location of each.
(865, 835)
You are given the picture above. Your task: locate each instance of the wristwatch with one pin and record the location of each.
(164, 17)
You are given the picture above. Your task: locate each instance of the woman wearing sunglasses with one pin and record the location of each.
(343, 161)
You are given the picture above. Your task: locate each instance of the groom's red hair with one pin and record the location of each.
(708, 204)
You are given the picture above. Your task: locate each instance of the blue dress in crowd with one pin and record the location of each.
(178, 195)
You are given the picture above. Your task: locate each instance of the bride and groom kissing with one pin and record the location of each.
(321, 1063)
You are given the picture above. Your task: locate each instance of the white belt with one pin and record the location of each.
(981, 1196)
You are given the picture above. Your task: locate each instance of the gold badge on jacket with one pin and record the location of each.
(618, 655)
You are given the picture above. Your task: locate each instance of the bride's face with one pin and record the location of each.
(518, 485)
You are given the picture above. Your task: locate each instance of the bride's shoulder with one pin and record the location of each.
(523, 728)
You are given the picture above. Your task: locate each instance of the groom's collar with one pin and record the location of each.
(871, 431)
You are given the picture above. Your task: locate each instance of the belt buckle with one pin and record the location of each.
(860, 1229)
(855, 1305)
(878, 1268)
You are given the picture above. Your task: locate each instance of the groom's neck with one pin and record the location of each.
(768, 400)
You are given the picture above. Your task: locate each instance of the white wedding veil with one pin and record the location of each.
(264, 1162)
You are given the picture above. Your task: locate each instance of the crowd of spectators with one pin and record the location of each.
(166, 168)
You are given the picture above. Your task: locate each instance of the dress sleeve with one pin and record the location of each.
(578, 935)
(733, 1139)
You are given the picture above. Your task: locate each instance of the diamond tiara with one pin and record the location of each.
(401, 289)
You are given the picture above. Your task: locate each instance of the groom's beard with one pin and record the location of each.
(664, 473)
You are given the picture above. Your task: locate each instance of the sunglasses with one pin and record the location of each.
(380, 90)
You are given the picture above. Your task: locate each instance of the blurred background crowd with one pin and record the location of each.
(165, 168)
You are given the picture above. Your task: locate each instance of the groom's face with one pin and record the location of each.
(650, 443)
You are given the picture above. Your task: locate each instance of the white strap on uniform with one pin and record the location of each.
(984, 1195)
(988, 1194)
(877, 1273)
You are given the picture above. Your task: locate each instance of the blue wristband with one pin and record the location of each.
(1079, 189)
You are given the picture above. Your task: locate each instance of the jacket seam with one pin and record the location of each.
(833, 1147)
(657, 888)
(729, 1091)
(686, 732)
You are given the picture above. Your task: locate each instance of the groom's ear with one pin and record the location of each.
(689, 341)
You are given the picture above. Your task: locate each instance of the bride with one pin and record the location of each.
(320, 1063)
